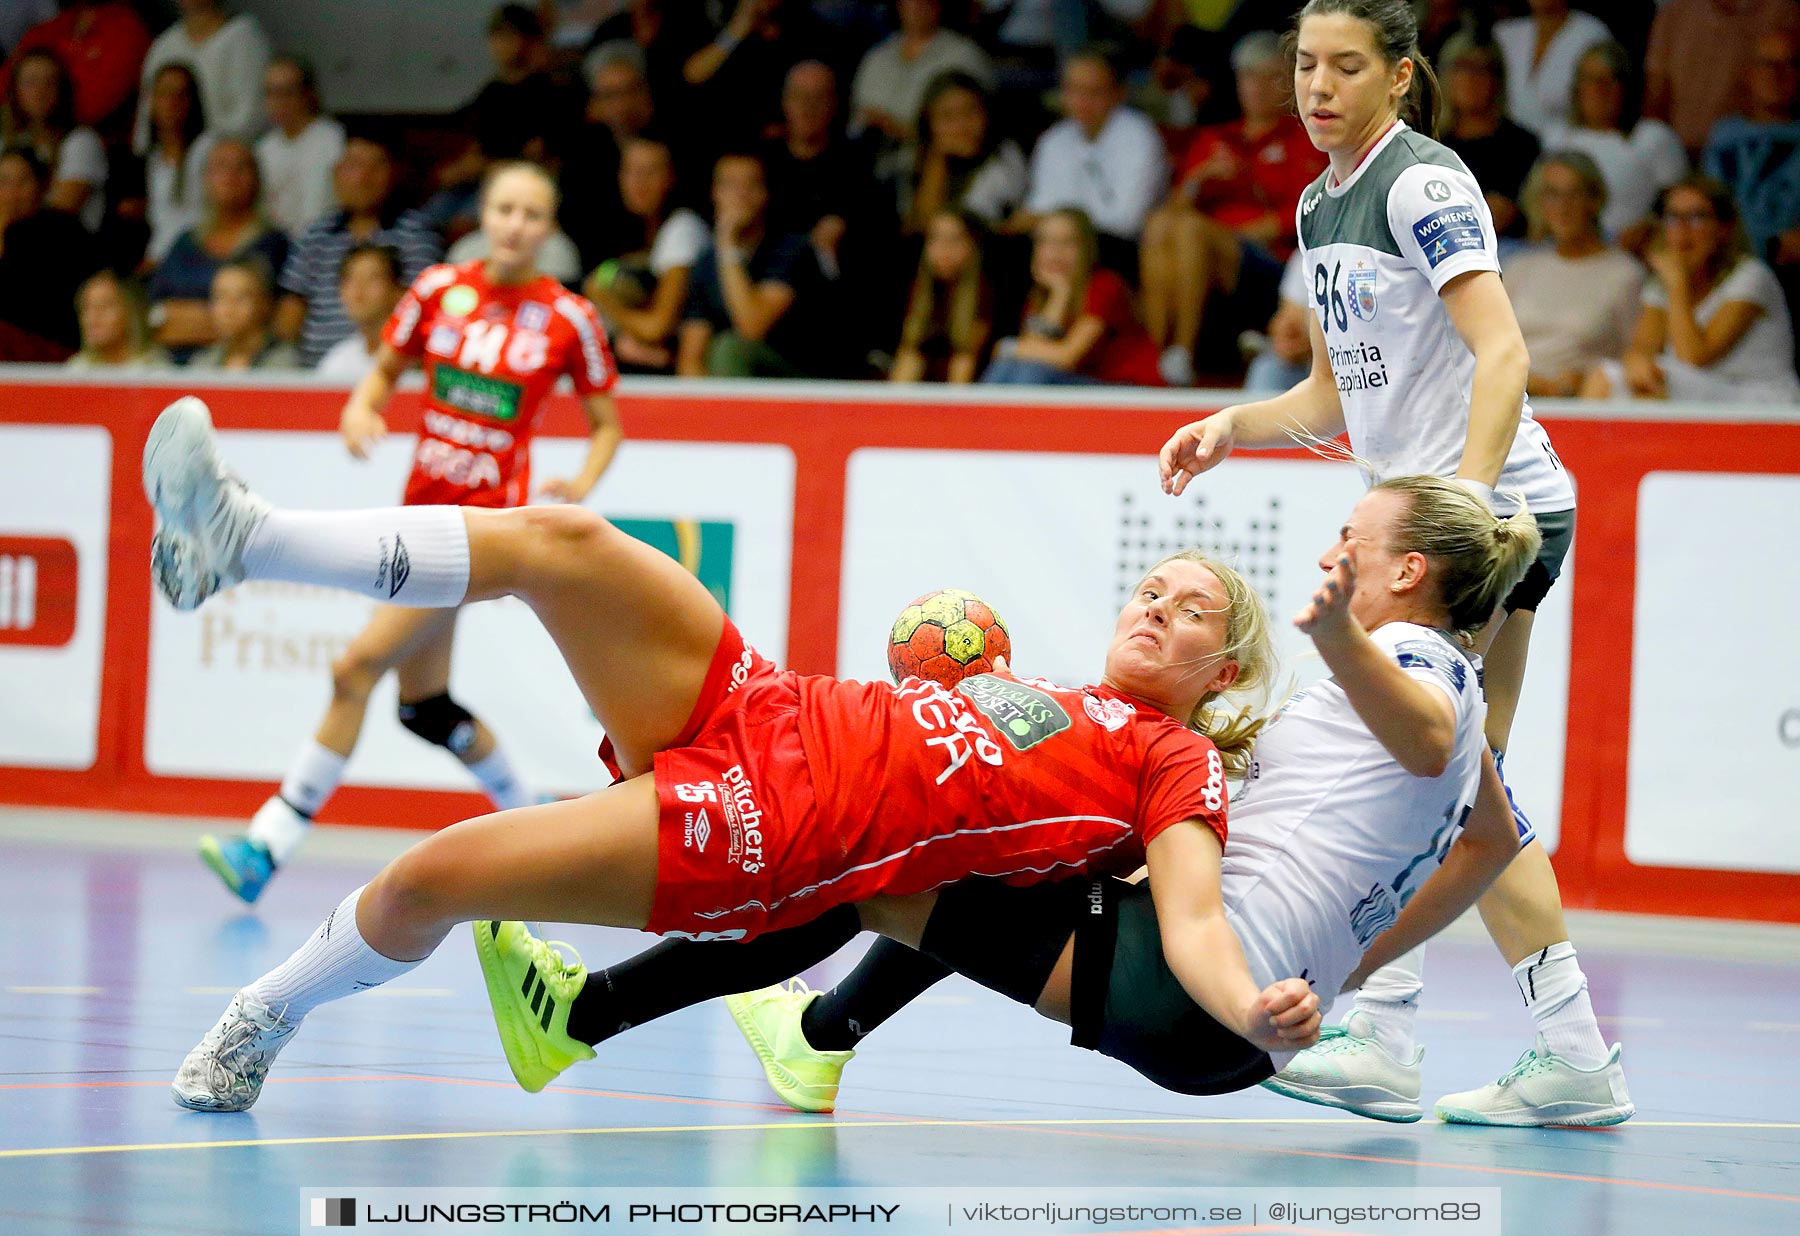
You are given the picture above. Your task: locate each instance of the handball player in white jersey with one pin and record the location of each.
(1416, 354)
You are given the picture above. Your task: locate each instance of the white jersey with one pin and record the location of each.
(1330, 837)
(1378, 249)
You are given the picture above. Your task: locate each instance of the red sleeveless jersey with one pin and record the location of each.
(491, 353)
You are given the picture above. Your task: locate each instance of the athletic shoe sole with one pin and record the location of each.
(789, 1088)
(182, 432)
(1393, 1108)
(1597, 1118)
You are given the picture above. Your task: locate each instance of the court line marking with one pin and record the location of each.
(1063, 1127)
(53, 991)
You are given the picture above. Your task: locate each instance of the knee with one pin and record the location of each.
(411, 895)
(556, 537)
(354, 675)
(440, 721)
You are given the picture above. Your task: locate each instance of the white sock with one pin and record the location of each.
(1556, 992)
(499, 781)
(416, 556)
(1390, 1002)
(279, 829)
(312, 778)
(335, 962)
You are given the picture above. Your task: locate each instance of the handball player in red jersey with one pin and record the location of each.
(749, 799)
(494, 335)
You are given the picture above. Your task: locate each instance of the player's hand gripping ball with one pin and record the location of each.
(946, 637)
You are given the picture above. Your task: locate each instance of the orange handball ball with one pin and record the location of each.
(945, 637)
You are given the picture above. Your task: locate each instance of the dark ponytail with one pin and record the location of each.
(1396, 30)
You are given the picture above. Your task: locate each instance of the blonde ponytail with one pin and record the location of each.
(1478, 556)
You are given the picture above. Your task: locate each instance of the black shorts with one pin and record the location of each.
(1127, 1004)
(1558, 529)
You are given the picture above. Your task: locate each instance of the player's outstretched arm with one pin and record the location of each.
(1204, 953)
(1309, 411)
(1488, 842)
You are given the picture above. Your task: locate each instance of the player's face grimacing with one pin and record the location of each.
(517, 215)
(1386, 579)
(1168, 647)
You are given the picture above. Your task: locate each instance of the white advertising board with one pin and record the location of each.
(55, 507)
(1715, 675)
(237, 686)
(1055, 542)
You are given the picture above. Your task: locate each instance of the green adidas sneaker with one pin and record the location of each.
(531, 988)
(805, 1078)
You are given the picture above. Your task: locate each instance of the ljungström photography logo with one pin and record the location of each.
(334, 1212)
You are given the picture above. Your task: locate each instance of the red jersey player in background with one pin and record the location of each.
(751, 799)
(494, 335)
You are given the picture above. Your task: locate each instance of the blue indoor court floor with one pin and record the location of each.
(120, 951)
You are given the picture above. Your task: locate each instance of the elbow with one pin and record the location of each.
(1430, 757)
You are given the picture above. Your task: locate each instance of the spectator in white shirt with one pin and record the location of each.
(1104, 158)
(1541, 52)
(890, 85)
(1639, 157)
(228, 55)
(40, 113)
(175, 163)
(369, 287)
(1714, 327)
(301, 149)
(641, 292)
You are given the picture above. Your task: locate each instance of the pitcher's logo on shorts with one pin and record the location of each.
(743, 819)
(39, 582)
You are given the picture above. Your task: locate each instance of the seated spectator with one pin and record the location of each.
(521, 113)
(102, 43)
(1539, 53)
(1182, 89)
(1714, 327)
(369, 287)
(1499, 153)
(114, 331)
(301, 149)
(1286, 355)
(40, 113)
(309, 311)
(1575, 296)
(1637, 156)
(1104, 159)
(1757, 154)
(891, 82)
(959, 160)
(243, 306)
(667, 34)
(44, 257)
(1699, 50)
(750, 310)
(736, 80)
(227, 56)
(169, 193)
(1229, 224)
(232, 227)
(950, 312)
(620, 108)
(640, 293)
(819, 183)
(1079, 327)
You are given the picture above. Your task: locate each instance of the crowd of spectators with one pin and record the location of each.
(1015, 191)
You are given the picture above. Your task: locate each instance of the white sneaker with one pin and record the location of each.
(1544, 1088)
(225, 1072)
(1177, 365)
(196, 498)
(1348, 1069)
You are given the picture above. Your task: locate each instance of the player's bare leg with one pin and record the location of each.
(589, 860)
